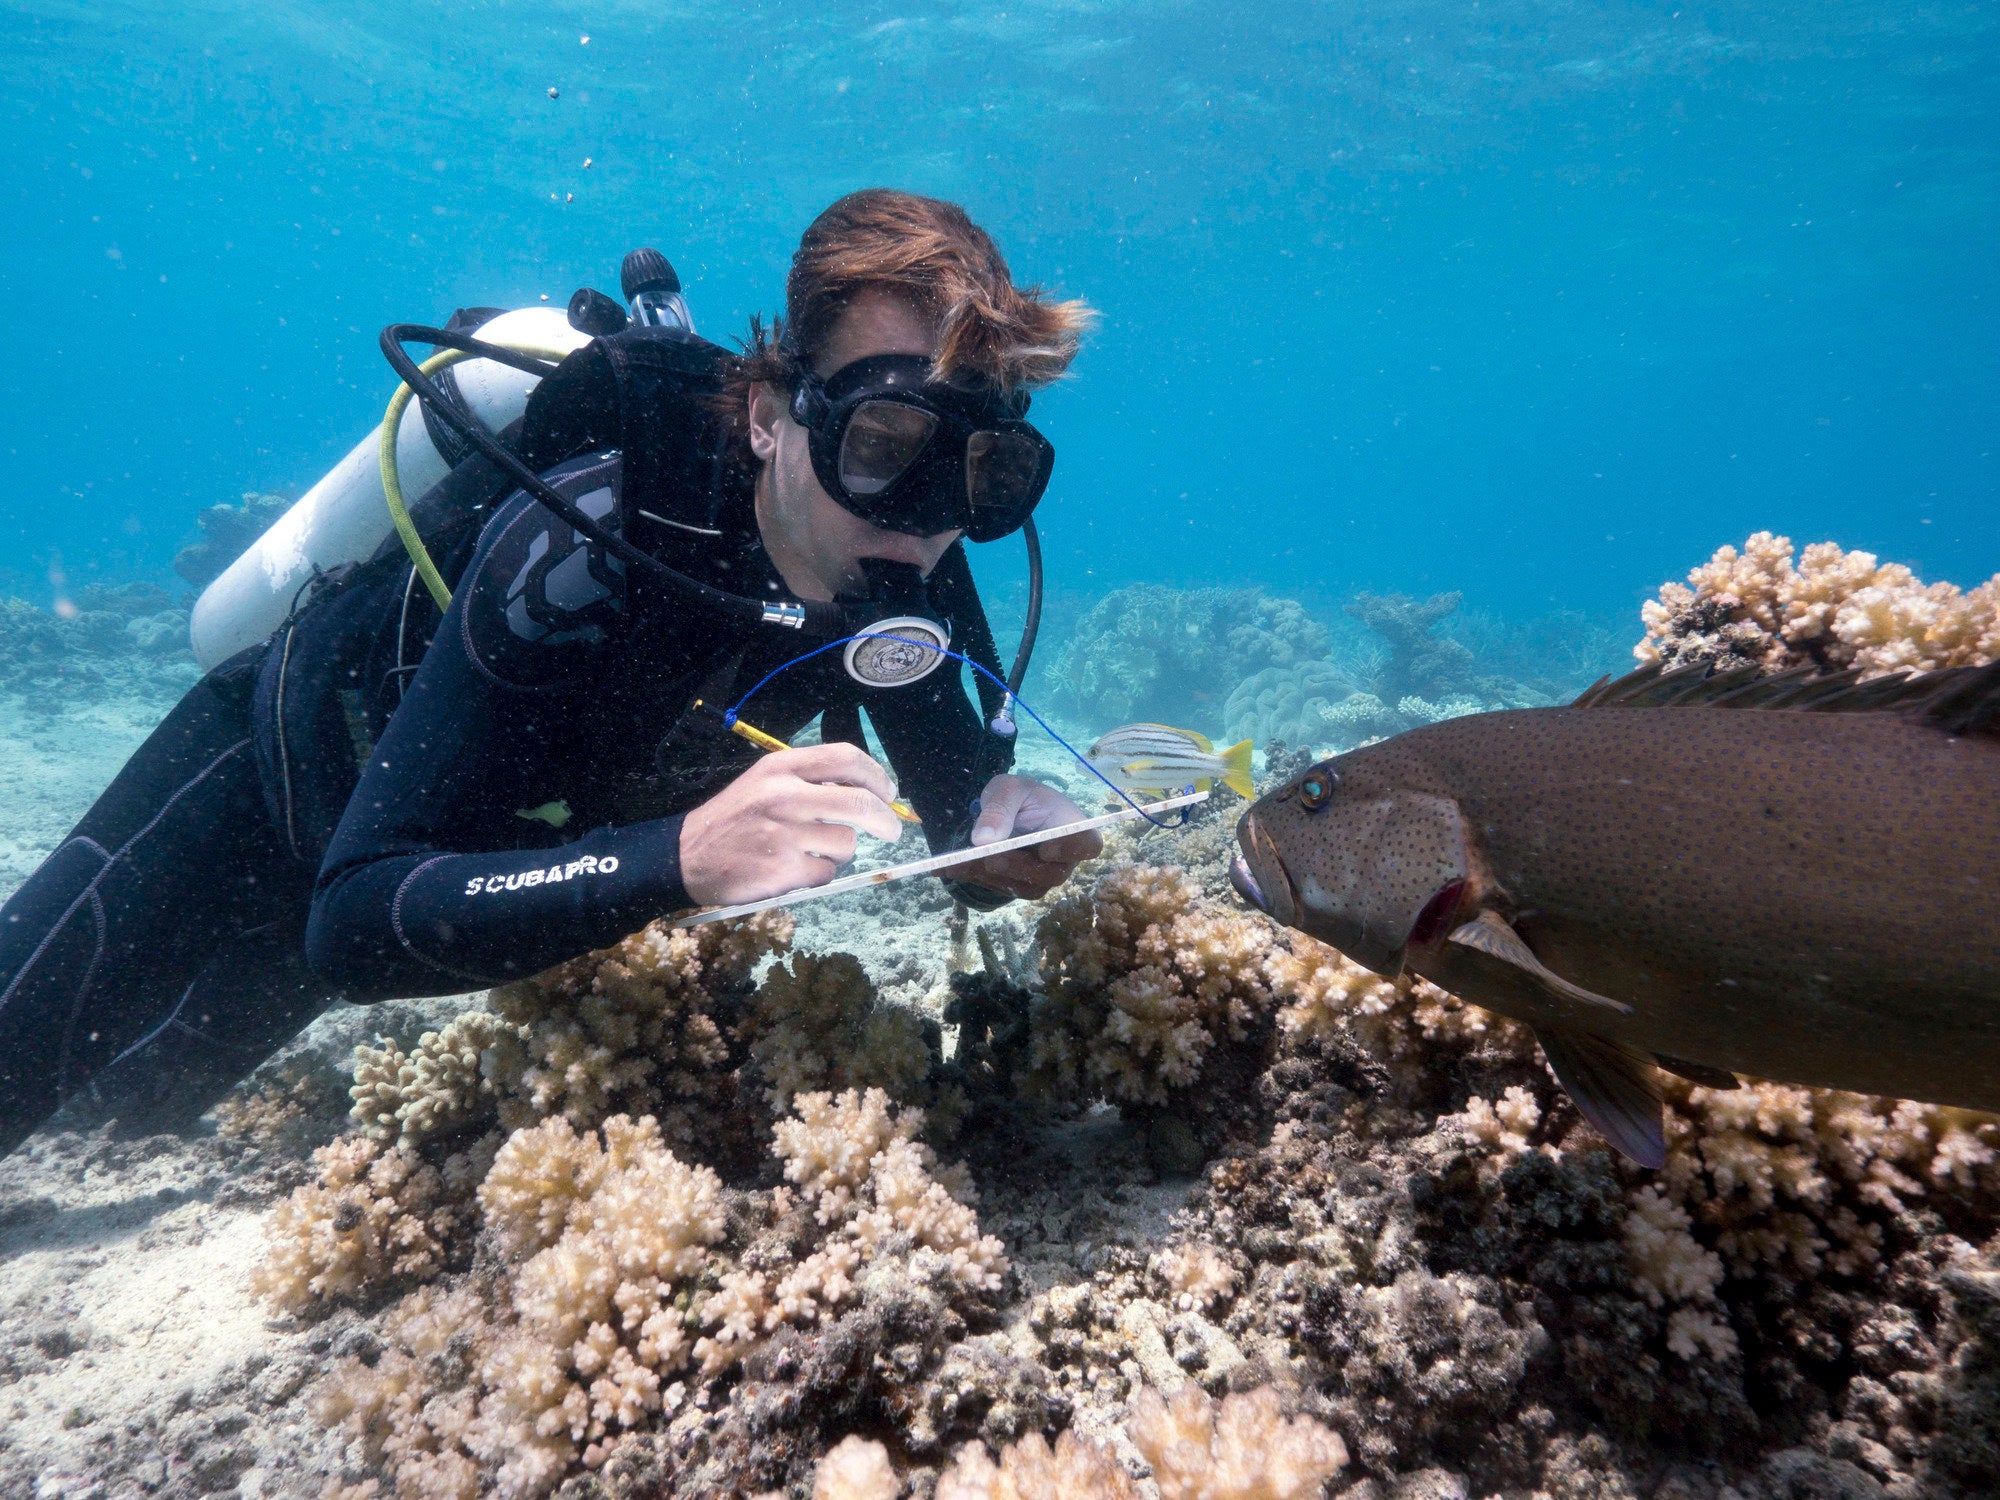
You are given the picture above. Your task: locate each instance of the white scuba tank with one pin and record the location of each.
(345, 517)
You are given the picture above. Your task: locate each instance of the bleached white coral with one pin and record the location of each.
(1791, 1181)
(630, 1029)
(1323, 992)
(1502, 1126)
(406, 1097)
(818, 1024)
(1669, 1265)
(395, 1412)
(1141, 980)
(1833, 608)
(371, 1216)
(876, 1191)
(1241, 1448)
(856, 1468)
(1197, 1275)
(610, 1232)
(1075, 1469)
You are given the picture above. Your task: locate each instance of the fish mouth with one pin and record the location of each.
(1259, 875)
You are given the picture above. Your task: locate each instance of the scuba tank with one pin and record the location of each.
(345, 516)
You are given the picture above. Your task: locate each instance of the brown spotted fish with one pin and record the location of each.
(1795, 877)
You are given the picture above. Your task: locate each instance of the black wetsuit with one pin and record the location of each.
(309, 825)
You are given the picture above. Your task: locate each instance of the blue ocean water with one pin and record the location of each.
(1538, 301)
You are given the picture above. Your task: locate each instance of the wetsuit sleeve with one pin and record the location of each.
(426, 888)
(943, 756)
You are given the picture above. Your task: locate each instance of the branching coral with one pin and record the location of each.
(1241, 1448)
(406, 1097)
(1141, 981)
(1196, 1275)
(374, 1215)
(818, 1023)
(630, 1029)
(1831, 609)
(614, 1232)
(411, 1410)
(873, 1191)
(1324, 993)
(1792, 1181)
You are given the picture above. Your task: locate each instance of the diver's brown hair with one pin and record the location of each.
(989, 330)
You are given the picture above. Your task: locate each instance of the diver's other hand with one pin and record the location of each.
(1014, 804)
(788, 822)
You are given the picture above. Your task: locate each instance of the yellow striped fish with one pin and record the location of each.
(1150, 758)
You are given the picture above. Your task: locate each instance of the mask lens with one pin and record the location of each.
(883, 439)
(1000, 470)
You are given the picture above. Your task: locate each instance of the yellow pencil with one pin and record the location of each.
(765, 741)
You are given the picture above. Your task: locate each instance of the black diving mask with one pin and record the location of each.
(918, 456)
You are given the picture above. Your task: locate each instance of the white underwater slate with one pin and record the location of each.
(870, 878)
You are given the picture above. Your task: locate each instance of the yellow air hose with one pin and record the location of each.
(392, 487)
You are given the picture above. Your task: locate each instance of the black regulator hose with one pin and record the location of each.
(811, 616)
(1033, 624)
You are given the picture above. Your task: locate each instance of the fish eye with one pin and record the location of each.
(1315, 787)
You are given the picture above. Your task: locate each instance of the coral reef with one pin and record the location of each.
(1286, 703)
(1422, 664)
(632, 1029)
(1831, 609)
(436, 1087)
(373, 1217)
(607, 1261)
(225, 533)
(871, 1188)
(1140, 983)
(109, 638)
(818, 1023)
(1241, 1448)
(1172, 655)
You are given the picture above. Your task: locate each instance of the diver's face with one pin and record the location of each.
(816, 543)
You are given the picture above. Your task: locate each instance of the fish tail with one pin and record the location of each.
(1236, 770)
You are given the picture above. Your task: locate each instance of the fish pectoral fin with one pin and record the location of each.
(1701, 1073)
(1489, 933)
(1612, 1086)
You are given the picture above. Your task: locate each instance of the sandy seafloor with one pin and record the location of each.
(133, 1356)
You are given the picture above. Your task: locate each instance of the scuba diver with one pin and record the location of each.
(392, 796)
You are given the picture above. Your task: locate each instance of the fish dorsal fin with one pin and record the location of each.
(1694, 1072)
(1957, 700)
(1489, 933)
(1612, 1086)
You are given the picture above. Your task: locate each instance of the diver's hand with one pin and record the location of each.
(1014, 804)
(788, 822)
